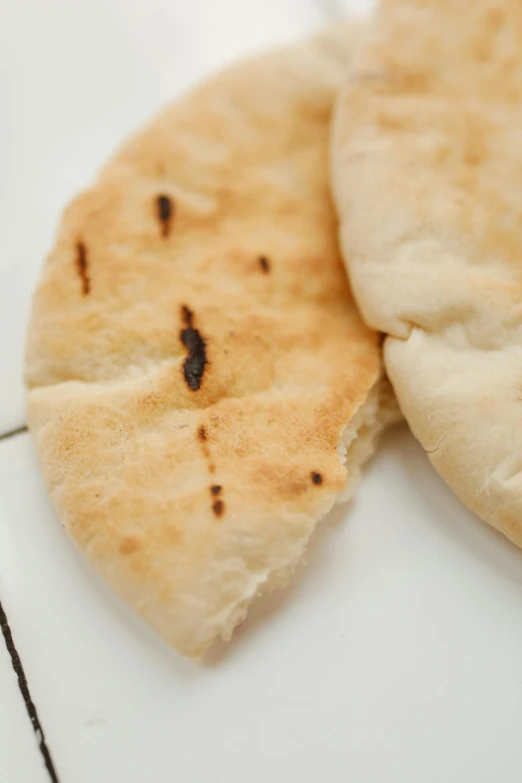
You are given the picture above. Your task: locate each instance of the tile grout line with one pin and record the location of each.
(13, 433)
(26, 695)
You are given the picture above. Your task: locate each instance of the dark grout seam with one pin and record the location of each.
(13, 433)
(24, 690)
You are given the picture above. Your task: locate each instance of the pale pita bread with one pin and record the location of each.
(427, 167)
(202, 388)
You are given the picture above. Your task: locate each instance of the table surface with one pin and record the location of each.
(392, 658)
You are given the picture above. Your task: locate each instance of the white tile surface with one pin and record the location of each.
(20, 759)
(75, 78)
(394, 658)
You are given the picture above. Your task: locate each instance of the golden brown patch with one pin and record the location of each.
(442, 154)
(494, 19)
(391, 122)
(174, 535)
(473, 158)
(414, 81)
(482, 48)
(128, 546)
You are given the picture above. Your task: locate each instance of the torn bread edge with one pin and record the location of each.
(357, 445)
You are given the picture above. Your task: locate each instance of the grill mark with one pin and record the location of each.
(264, 263)
(82, 267)
(202, 437)
(218, 507)
(165, 212)
(196, 361)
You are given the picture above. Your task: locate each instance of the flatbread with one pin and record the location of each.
(427, 169)
(201, 386)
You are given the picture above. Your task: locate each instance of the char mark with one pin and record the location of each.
(264, 263)
(165, 212)
(196, 361)
(82, 267)
(218, 508)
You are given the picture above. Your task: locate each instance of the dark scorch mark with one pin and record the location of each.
(194, 364)
(82, 267)
(202, 437)
(316, 478)
(264, 263)
(218, 508)
(165, 213)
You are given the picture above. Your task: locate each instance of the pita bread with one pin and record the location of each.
(201, 386)
(427, 169)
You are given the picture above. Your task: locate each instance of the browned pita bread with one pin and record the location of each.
(201, 387)
(428, 179)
